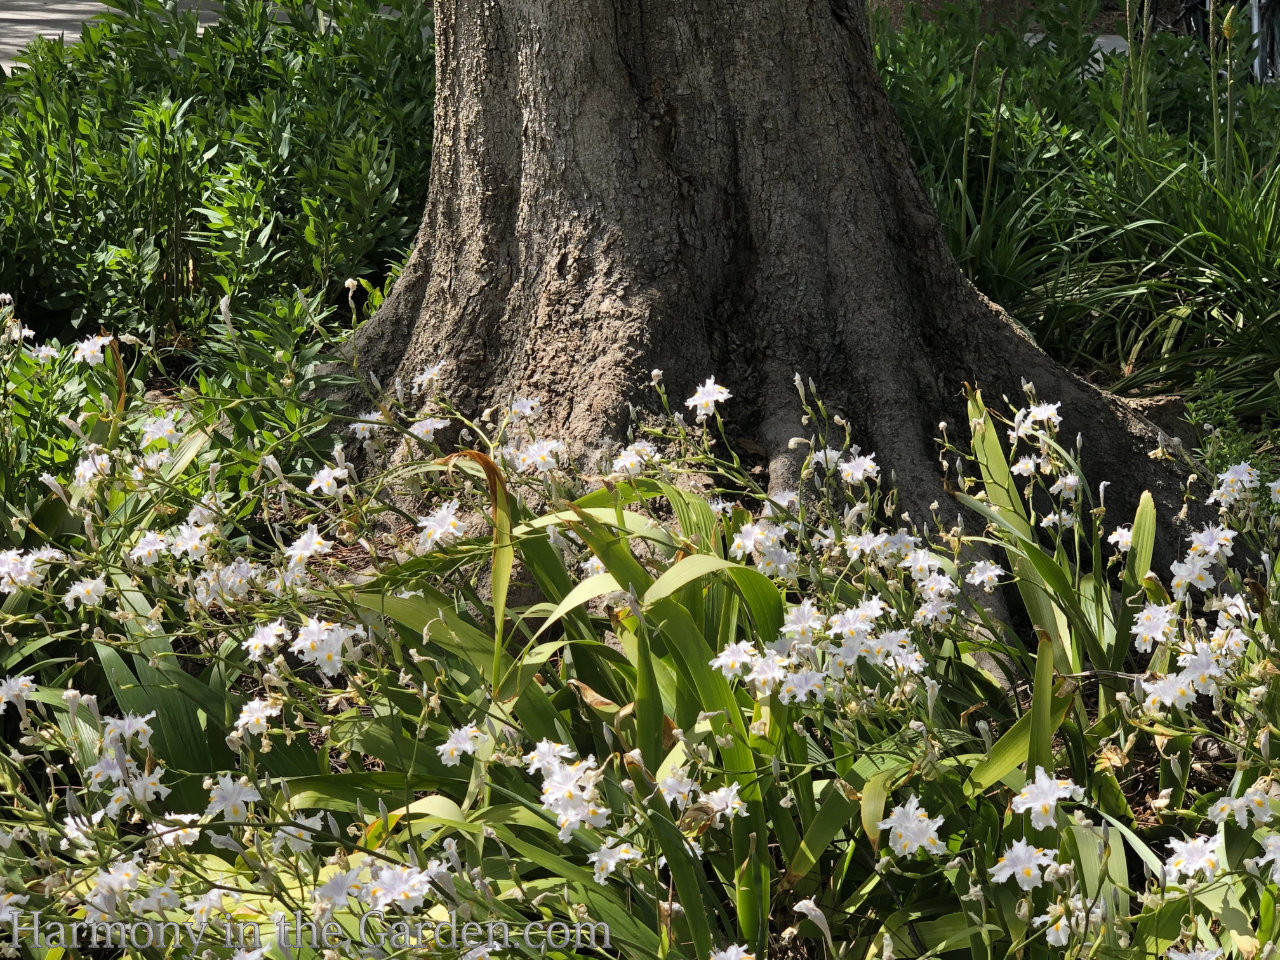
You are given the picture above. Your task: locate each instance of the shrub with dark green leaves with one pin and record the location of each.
(153, 168)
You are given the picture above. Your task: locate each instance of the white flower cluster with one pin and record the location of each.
(368, 425)
(911, 828)
(226, 583)
(425, 430)
(26, 569)
(1208, 547)
(704, 400)
(255, 714)
(187, 539)
(532, 456)
(462, 741)
(439, 527)
(633, 458)
(92, 466)
(90, 350)
(1254, 804)
(1022, 863)
(326, 481)
(814, 648)
(163, 426)
(15, 690)
(230, 798)
(1035, 422)
(1076, 915)
(401, 886)
(427, 378)
(325, 645)
(1205, 659)
(322, 644)
(568, 787)
(766, 543)
(677, 788)
(1041, 795)
(1234, 483)
(857, 469)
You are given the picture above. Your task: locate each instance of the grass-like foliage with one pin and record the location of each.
(151, 169)
(1125, 208)
(242, 678)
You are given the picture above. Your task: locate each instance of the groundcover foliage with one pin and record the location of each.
(152, 169)
(242, 678)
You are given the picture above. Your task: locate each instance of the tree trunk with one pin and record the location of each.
(704, 187)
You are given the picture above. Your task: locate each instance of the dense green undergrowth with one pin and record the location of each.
(242, 678)
(152, 169)
(1126, 209)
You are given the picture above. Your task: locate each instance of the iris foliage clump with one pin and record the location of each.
(244, 676)
(1124, 207)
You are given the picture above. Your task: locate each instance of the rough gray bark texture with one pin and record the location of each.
(706, 187)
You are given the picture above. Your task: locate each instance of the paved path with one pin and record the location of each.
(21, 21)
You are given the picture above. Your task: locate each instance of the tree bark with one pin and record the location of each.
(705, 187)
